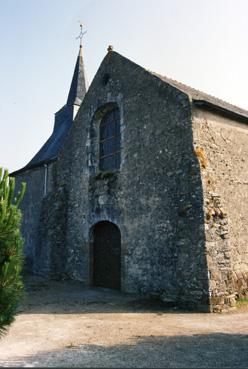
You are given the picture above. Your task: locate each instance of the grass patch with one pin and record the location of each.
(242, 301)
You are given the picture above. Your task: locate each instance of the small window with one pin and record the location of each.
(110, 143)
(105, 79)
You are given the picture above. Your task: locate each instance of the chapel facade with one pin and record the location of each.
(142, 187)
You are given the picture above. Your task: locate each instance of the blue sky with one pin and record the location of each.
(201, 43)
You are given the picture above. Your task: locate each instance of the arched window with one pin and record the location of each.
(110, 143)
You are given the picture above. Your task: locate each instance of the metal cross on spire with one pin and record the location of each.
(81, 34)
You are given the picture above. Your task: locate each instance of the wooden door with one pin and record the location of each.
(107, 256)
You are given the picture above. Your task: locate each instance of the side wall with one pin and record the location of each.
(38, 182)
(222, 147)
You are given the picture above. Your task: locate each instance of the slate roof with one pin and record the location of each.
(63, 119)
(205, 100)
(49, 151)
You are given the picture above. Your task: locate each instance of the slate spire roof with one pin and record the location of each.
(78, 84)
(63, 118)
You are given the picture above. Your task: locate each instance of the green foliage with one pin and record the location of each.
(11, 244)
(242, 302)
(104, 175)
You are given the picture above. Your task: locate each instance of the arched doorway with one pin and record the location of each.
(106, 255)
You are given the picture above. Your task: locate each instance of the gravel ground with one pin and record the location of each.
(60, 324)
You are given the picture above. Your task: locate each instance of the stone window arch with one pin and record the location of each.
(110, 141)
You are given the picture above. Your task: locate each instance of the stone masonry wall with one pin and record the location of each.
(222, 148)
(179, 198)
(155, 198)
(31, 207)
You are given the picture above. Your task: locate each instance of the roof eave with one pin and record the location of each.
(33, 166)
(219, 109)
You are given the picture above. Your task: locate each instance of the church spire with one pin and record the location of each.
(78, 84)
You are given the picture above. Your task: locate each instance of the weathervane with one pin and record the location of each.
(81, 34)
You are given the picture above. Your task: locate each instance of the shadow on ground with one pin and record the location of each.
(196, 351)
(70, 297)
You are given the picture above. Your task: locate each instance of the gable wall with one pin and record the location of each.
(153, 199)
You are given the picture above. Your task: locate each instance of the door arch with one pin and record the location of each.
(106, 255)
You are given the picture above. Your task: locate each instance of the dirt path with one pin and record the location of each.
(62, 325)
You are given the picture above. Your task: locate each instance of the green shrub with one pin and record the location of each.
(11, 245)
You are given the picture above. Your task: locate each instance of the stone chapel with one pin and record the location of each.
(142, 187)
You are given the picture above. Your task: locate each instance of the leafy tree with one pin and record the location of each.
(11, 245)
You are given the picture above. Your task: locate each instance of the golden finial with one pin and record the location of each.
(110, 48)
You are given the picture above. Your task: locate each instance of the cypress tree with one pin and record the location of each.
(11, 245)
